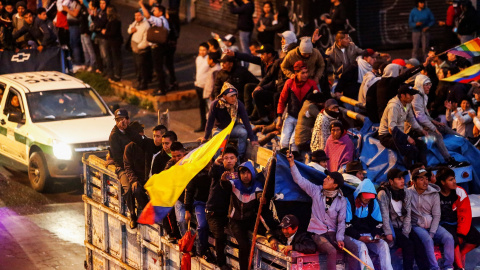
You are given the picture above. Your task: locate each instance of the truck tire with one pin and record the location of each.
(38, 172)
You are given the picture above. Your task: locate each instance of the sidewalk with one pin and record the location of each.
(191, 35)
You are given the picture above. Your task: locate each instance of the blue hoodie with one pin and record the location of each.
(425, 16)
(243, 201)
(363, 220)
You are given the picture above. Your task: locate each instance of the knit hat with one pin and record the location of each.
(20, 4)
(289, 37)
(227, 90)
(299, 65)
(306, 45)
(330, 103)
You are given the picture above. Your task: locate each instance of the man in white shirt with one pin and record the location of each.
(140, 48)
(157, 18)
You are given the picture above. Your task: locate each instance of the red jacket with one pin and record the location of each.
(295, 96)
(464, 212)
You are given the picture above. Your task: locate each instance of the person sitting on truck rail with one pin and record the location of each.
(290, 237)
(327, 222)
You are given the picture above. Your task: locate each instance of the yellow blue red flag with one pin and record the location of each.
(166, 187)
(465, 76)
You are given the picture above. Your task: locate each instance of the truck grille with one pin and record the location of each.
(88, 147)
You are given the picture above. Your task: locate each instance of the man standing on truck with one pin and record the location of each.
(134, 163)
(118, 140)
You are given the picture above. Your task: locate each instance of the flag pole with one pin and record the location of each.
(358, 259)
(259, 214)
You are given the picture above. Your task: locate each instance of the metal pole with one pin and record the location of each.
(259, 214)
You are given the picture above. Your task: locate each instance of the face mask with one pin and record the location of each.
(285, 48)
(332, 113)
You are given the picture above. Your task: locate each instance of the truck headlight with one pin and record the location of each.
(62, 150)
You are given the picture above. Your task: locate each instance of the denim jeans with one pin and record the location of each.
(202, 228)
(245, 38)
(288, 133)
(240, 133)
(424, 39)
(443, 237)
(102, 45)
(180, 215)
(379, 248)
(75, 44)
(88, 52)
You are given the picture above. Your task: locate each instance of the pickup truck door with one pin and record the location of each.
(14, 137)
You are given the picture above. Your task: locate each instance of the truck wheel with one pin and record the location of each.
(38, 172)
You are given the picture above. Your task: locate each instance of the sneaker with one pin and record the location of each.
(90, 69)
(452, 163)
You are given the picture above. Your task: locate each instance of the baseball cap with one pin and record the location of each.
(319, 155)
(227, 58)
(407, 89)
(230, 38)
(267, 48)
(121, 113)
(399, 61)
(396, 173)
(228, 90)
(369, 52)
(418, 172)
(368, 195)
(289, 221)
(299, 65)
(413, 61)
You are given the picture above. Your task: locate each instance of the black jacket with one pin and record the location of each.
(245, 14)
(100, 22)
(160, 162)
(238, 77)
(348, 82)
(387, 88)
(256, 60)
(197, 190)
(467, 22)
(39, 31)
(118, 140)
(134, 163)
(371, 103)
(302, 241)
(218, 198)
(149, 148)
(338, 14)
(113, 31)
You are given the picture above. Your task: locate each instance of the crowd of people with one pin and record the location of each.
(286, 86)
(89, 33)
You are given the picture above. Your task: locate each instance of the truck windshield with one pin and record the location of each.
(65, 104)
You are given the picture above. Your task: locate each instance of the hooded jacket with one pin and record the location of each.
(363, 219)
(302, 242)
(118, 140)
(395, 115)
(243, 201)
(388, 85)
(39, 31)
(389, 216)
(323, 221)
(426, 208)
(419, 104)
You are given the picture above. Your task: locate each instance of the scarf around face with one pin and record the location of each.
(363, 68)
(231, 108)
(397, 195)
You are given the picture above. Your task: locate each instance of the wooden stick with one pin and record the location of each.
(188, 226)
(257, 221)
(358, 259)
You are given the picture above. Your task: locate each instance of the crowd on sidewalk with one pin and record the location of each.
(287, 86)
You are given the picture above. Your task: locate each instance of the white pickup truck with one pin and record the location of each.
(47, 120)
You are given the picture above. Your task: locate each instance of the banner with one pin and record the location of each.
(50, 59)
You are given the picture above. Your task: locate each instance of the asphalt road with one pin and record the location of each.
(40, 231)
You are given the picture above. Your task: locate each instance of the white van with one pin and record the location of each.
(47, 120)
